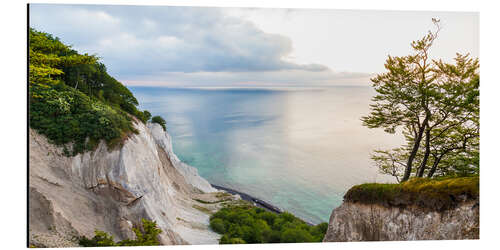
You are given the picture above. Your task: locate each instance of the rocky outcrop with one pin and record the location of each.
(113, 190)
(354, 221)
(164, 140)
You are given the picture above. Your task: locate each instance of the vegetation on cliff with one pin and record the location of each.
(159, 120)
(241, 224)
(147, 235)
(435, 193)
(72, 99)
(436, 107)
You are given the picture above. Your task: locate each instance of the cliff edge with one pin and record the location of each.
(417, 210)
(112, 191)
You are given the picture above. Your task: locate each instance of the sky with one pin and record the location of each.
(246, 47)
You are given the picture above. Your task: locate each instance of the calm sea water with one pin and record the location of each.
(299, 149)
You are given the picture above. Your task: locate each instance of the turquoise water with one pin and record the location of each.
(297, 148)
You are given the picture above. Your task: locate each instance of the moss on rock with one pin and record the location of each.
(434, 194)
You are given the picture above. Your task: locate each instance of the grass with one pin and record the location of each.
(232, 204)
(222, 195)
(210, 202)
(202, 209)
(434, 194)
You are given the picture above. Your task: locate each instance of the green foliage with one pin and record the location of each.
(436, 107)
(436, 194)
(66, 115)
(248, 224)
(74, 100)
(159, 120)
(226, 240)
(101, 239)
(296, 235)
(145, 236)
(48, 56)
(147, 115)
(217, 225)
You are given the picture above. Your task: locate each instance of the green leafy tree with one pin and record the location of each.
(455, 137)
(402, 95)
(217, 225)
(292, 235)
(101, 239)
(226, 240)
(147, 235)
(428, 100)
(74, 100)
(147, 115)
(159, 120)
(48, 56)
(248, 224)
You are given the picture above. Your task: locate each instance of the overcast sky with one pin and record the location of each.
(188, 46)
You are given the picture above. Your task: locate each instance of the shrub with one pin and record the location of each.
(101, 239)
(292, 235)
(226, 240)
(145, 236)
(217, 225)
(159, 120)
(74, 100)
(249, 224)
(66, 115)
(147, 115)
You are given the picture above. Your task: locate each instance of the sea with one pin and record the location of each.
(298, 148)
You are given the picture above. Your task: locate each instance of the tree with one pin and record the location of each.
(403, 97)
(147, 115)
(458, 110)
(436, 106)
(147, 235)
(101, 239)
(391, 162)
(48, 57)
(217, 225)
(159, 120)
(73, 98)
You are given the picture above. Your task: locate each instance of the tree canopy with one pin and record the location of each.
(159, 120)
(249, 224)
(145, 235)
(73, 100)
(435, 105)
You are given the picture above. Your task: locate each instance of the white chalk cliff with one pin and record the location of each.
(373, 222)
(113, 190)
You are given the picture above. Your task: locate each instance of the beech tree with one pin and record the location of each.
(456, 135)
(403, 96)
(434, 104)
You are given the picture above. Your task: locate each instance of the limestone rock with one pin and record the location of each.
(372, 222)
(113, 190)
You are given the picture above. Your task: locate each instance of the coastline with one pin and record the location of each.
(256, 201)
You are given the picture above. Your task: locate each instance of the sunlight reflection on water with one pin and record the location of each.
(300, 150)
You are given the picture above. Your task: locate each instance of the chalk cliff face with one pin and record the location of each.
(113, 190)
(368, 222)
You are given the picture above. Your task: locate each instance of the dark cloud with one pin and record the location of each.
(146, 40)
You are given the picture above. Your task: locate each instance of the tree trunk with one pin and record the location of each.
(423, 165)
(414, 151)
(434, 166)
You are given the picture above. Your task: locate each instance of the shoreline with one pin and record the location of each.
(256, 201)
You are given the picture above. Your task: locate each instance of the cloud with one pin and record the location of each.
(139, 41)
(252, 79)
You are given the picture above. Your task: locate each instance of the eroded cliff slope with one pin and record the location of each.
(418, 210)
(113, 190)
